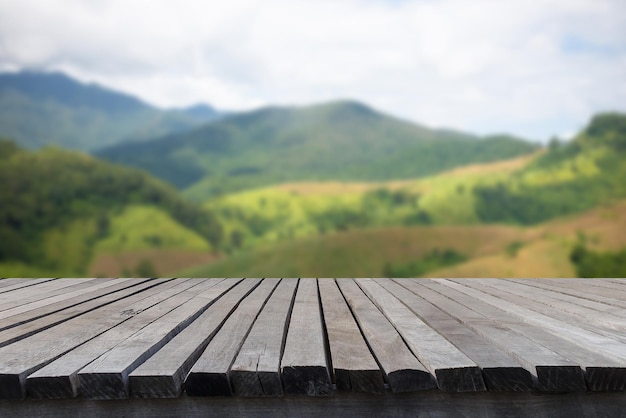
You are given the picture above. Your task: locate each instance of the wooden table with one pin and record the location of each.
(285, 347)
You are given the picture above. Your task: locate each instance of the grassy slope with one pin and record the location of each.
(294, 210)
(547, 254)
(558, 184)
(343, 141)
(357, 253)
(544, 250)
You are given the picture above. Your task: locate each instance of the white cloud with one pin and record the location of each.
(531, 68)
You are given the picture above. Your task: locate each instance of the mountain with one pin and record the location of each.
(201, 112)
(38, 109)
(341, 140)
(61, 207)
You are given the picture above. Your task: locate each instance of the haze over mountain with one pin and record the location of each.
(38, 109)
(341, 140)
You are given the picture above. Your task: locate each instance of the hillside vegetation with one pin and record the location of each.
(570, 178)
(438, 251)
(555, 184)
(338, 141)
(59, 208)
(38, 109)
(256, 217)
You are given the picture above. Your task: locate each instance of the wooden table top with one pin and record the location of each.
(179, 338)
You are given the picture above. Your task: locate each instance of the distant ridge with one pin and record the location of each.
(339, 140)
(51, 108)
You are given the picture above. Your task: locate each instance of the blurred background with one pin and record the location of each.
(352, 138)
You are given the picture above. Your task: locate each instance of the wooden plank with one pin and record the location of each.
(22, 283)
(581, 292)
(594, 286)
(354, 366)
(163, 374)
(23, 325)
(209, 376)
(10, 282)
(256, 370)
(40, 307)
(602, 372)
(107, 376)
(557, 311)
(595, 312)
(59, 378)
(42, 291)
(304, 368)
(500, 371)
(455, 372)
(402, 370)
(551, 370)
(30, 354)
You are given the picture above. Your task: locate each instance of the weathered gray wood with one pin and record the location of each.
(163, 374)
(209, 376)
(589, 296)
(354, 366)
(41, 291)
(605, 340)
(601, 372)
(107, 376)
(455, 372)
(24, 325)
(500, 371)
(21, 283)
(551, 371)
(68, 298)
(564, 338)
(30, 354)
(59, 378)
(11, 282)
(598, 313)
(402, 370)
(304, 368)
(256, 370)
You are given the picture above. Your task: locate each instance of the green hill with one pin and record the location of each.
(343, 140)
(569, 178)
(59, 208)
(38, 109)
(335, 230)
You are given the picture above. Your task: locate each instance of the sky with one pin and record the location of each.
(530, 68)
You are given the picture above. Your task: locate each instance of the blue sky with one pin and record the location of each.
(531, 68)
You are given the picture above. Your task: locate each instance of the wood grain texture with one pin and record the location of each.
(59, 379)
(353, 364)
(304, 368)
(28, 323)
(209, 376)
(500, 371)
(107, 376)
(163, 374)
(455, 371)
(402, 370)
(275, 338)
(552, 371)
(256, 370)
(30, 354)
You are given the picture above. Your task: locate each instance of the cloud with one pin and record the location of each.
(531, 68)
